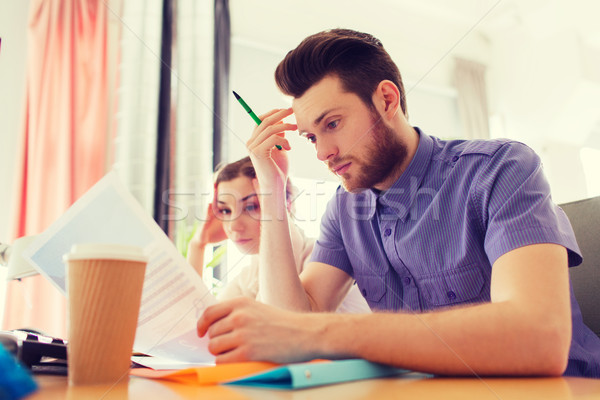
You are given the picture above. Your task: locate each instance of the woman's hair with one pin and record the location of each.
(229, 172)
(357, 59)
(244, 167)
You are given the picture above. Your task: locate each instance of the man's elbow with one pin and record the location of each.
(554, 345)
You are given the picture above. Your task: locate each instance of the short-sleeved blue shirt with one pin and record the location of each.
(431, 239)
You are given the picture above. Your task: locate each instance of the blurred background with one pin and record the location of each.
(150, 93)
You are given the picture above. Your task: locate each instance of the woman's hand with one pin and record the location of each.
(211, 231)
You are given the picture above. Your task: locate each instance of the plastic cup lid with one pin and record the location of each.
(104, 251)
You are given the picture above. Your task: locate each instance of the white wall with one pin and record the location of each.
(13, 23)
(543, 95)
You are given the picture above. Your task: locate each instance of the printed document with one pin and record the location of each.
(174, 295)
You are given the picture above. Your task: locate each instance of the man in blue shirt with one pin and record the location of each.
(459, 238)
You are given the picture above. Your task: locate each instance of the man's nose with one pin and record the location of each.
(326, 149)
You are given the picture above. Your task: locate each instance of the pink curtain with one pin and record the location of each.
(63, 142)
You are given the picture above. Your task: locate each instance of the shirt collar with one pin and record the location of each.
(400, 196)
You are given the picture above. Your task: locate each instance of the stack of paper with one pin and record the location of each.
(173, 297)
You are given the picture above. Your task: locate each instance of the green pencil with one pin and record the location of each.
(249, 111)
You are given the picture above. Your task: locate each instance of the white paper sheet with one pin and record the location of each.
(158, 363)
(174, 295)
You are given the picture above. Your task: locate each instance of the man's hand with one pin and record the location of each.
(270, 164)
(245, 330)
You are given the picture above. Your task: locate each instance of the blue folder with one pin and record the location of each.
(305, 375)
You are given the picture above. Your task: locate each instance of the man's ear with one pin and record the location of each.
(387, 99)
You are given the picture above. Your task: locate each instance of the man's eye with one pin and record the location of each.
(224, 211)
(333, 124)
(311, 138)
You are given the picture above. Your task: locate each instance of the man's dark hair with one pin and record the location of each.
(358, 59)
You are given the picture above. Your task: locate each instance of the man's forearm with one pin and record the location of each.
(487, 339)
(279, 284)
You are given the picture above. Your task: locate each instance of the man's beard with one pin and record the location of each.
(384, 153)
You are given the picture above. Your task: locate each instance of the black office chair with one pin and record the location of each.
(585, 219)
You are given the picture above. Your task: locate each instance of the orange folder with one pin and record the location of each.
(208, 375)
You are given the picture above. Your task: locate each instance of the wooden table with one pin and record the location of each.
(412, 386)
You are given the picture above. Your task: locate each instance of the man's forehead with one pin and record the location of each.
(308, 104)
(321, 97)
